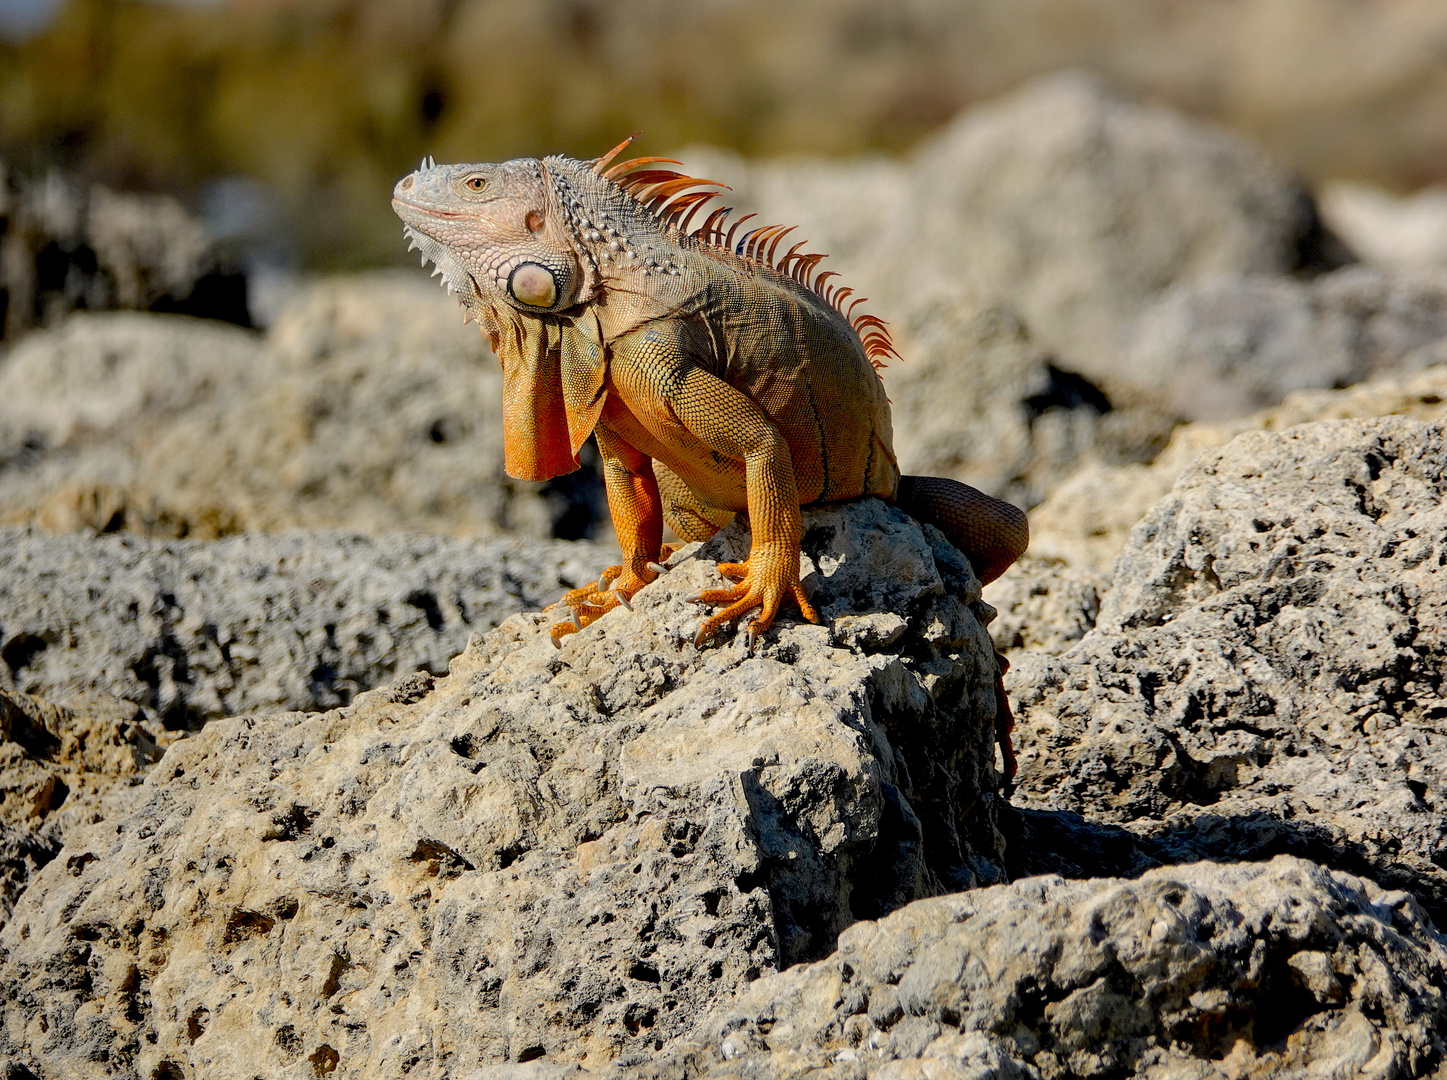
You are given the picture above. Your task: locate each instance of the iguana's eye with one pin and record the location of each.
(476, 183)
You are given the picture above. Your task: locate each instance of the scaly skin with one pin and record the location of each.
(717, 378)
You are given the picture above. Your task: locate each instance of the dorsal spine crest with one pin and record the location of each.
(669, 200)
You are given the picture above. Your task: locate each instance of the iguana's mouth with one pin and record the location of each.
(420, 208)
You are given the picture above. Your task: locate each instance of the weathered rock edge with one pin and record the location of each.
(1267, 673)
(563, 854)
(1248, 970)
(195, 630)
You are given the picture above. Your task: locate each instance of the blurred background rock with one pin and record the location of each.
(317, 105)
(1087, 223)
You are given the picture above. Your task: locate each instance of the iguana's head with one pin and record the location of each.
(495, 233)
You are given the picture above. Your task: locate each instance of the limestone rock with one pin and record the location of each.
(188, 631)
(1079, 206)
(67, 246)
(1227, 347)
(1044, 605)
(1281, 969)
(1086, 520)
(63, 767)
(1067, 201)
(545, 856)
(367, 406)
(977, 399)
(1265, 673)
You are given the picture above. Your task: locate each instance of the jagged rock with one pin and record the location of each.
(62, 767)
(1282, 969)
(1266, 671)
(976, 399)
(1086, 520)
(189, 631)
(1227, 347)
(549, 854)
(1044, 605)
(65, 247)
(368, 406)
(1079, 206)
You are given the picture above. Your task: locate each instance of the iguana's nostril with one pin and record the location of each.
(406, 183)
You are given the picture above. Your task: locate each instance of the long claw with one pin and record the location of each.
(657, 568)
(621, 599)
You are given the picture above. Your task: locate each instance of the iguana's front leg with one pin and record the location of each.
(637, 512)
(729, 423)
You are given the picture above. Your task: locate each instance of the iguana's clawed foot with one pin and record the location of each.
(764, 590)
(614, 588)
(587, 605)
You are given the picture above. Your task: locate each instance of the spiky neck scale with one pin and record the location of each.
(619, 234)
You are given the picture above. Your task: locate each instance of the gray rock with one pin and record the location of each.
(67, 246)
(189, 631)
(1227, 347)
(1085, 522)
(1079, 206)
(1266, 672)
(1282, 969)
(976, 399)
(1070, 203)
(368, 406)
(1044, 605)
(547, 855)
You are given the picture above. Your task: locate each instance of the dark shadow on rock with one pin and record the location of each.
(1065, 843)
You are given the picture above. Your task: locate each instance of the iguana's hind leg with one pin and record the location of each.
(992, 534)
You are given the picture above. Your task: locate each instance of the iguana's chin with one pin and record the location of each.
(456, 278)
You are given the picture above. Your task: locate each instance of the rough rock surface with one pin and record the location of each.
(1044, 605)
(1229, 346)
(367, 406)
(1087, 519)
(190, 630)
(63, 767)
(976, 399)
(548, 854)
(1204, 971)
(66, 247)
(1266, 671)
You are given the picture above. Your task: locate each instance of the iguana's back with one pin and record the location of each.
(794, 354)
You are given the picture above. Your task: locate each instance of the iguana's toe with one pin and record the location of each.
(589, 604)
(748, 595)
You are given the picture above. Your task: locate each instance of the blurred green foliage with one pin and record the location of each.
(327, 102)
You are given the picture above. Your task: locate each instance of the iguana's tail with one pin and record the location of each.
(990, 532)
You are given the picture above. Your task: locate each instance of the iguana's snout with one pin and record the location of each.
(490, 231)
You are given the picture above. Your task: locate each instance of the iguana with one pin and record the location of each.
(721, 372)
